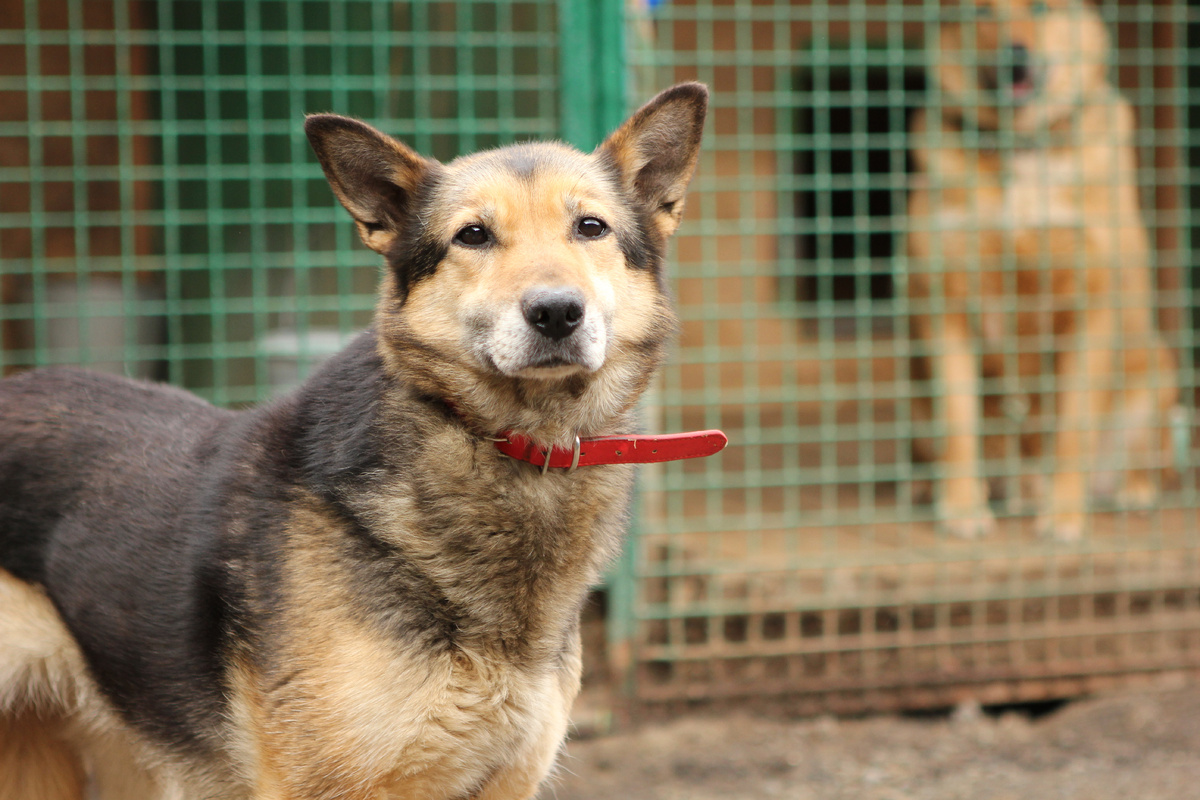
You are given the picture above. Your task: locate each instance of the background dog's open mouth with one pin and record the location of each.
(1017, 83)
(1023, 90)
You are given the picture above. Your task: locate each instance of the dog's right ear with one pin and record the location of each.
(656, 151)
(373, 175)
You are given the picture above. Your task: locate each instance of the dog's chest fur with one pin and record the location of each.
(1063, 177)
(1027, 207)
(1036, 186)
(1014, 192)
(442, 567)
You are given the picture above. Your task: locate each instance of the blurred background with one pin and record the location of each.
(161, 216)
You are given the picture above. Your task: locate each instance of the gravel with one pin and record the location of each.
(1130, 746)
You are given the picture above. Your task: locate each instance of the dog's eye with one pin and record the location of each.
(473, 236)
(591, 228)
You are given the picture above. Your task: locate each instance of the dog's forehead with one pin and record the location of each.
(517, 173)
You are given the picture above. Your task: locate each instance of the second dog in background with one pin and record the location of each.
(1030, 261)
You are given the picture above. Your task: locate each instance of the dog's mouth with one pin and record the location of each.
(536, 368)
(1017, 87)
(1013, 76)
(555, 366)
(549, 371)
(520, 352)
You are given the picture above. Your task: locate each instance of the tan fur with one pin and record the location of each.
(53, 720)
(41, 672)
(35, 761)
(1044, 208)
(399, 723)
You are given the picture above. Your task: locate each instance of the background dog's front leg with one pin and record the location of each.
(1142, 422)
(1083, 373)
(963, 504)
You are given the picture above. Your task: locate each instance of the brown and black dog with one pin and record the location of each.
(1030, 269)
(350, 592)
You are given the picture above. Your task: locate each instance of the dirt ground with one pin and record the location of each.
(1131, 746)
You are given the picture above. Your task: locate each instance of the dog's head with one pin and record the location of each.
(1019, 63)
(523, 282)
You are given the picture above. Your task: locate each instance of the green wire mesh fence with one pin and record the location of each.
(902, 236)
(160, 212)
(160, 215)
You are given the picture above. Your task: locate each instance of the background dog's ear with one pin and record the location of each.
(656, 150)
(372, 174)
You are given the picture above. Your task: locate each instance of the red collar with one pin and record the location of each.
(602, 450)
(613, 449)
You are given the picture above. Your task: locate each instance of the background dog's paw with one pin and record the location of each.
(1139, 493)
(967, 523)
(1062, 526)
(963, 511)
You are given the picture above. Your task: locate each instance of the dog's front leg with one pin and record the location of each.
(1083, 373)
(963, 505)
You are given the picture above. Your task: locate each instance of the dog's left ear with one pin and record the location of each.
(657, 148)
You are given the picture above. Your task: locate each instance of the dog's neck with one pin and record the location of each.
(601, 450)
(550, 420)
(994, 136)
(499, 558)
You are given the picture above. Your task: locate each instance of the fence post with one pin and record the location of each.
(592, 69)
(592, 102)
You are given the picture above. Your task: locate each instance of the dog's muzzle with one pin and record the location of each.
(549, 332)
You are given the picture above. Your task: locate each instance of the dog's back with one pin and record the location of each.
(82, 448)
(101, 502)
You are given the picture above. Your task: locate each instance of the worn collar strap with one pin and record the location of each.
(613, 449)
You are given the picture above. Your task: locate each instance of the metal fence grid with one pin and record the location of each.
(811, 559)
(160, 215)
(160, 212)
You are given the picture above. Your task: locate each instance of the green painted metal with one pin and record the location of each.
(592, 65)
(160, 211)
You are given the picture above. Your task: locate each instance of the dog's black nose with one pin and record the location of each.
(554, 313)
(1018, 56)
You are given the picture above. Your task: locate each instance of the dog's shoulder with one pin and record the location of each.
(333, 420)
